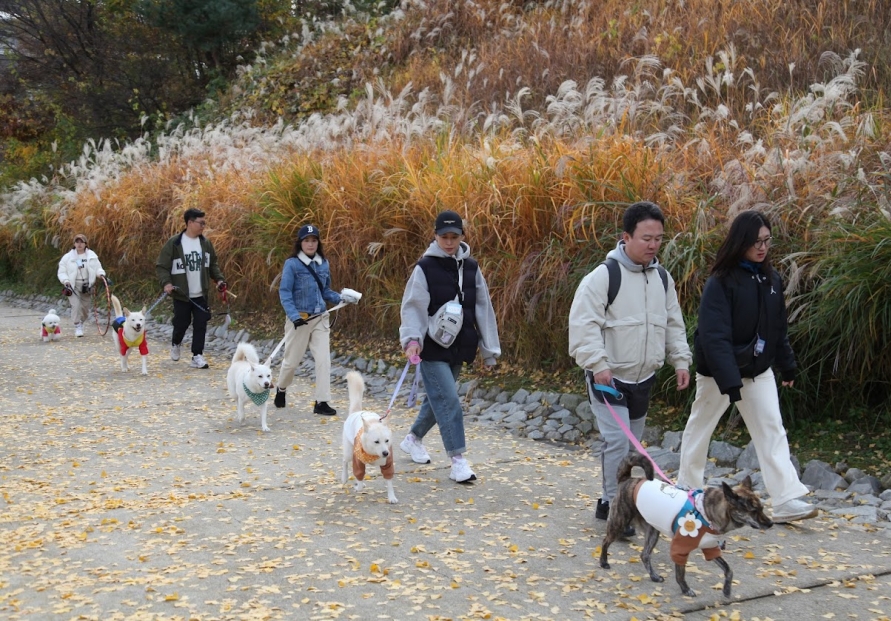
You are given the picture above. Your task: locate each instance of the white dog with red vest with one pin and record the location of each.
(367, 440)
(128, 332)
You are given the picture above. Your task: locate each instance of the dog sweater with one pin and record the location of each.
(671, 511)
(361, 458)
(43, 332)
(124, 344)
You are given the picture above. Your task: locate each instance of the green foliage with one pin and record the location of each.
(842, 325)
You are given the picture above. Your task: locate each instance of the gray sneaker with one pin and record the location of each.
(175, 351)
(198, 362)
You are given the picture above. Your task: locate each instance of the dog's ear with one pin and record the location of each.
(126, 312)
(365, 423)
(143, 309)
(729, 494)
(747, 482)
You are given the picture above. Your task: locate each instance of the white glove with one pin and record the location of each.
(349, 296)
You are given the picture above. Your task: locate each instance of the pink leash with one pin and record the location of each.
(634, 441)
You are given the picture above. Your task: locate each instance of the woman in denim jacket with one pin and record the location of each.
(305, 290)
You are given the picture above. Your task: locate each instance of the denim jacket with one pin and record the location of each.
(299, 292)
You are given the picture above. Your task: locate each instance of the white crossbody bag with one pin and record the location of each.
(445, 324)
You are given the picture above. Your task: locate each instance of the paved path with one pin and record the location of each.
(131, 497)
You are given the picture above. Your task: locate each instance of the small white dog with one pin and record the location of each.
(366, 440)
(49, 327)
(249, 380)
(128, 332)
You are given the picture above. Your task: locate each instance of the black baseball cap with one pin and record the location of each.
(448, 222)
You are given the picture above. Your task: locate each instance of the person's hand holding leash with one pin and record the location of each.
(168, 288)
(604, 378)
(221, 286)
(300, 321)
(413, 351)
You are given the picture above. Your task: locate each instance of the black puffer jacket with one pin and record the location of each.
(734, 309)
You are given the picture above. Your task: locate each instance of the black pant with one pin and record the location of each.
(195, 312)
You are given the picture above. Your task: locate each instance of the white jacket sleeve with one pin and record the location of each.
(586, 319)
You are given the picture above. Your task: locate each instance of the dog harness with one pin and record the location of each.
(679, 515)
(124, 344)
(259, 398)
(361, 458)
(43, 332)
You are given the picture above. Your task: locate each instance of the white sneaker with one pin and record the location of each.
(461, 472)
(415, 449)
(793, 510)
(198, 362)
(78, 331)
(175, 351)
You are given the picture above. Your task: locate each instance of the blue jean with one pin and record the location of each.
(441, 406)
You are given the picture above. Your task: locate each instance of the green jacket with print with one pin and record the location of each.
(170, 267)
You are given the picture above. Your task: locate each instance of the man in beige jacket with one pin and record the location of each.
(624, 341)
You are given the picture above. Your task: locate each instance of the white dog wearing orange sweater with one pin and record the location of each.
(367, 440)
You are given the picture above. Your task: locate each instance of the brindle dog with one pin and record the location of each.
(724, 509)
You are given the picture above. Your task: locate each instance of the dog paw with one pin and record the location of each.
(688, 592)
(392, 500)
(265, 428)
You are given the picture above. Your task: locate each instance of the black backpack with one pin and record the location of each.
(615, 279)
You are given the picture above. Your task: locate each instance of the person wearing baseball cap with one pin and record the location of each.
(446, 277)
(305, 292)
(78, 270)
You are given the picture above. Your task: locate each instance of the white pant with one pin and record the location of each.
(760, 409)
(315, 334)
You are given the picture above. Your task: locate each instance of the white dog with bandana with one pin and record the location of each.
(249, 380)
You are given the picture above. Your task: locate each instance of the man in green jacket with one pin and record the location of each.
(185, 267)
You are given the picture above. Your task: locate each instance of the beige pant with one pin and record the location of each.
(760, 409)
(315, 335)
(81, 305)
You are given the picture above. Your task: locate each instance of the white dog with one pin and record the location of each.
(366, 440)
(249, 380)
(49, 327)
(128, 332)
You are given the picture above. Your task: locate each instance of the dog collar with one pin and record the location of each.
(259, 398)
(691, 512)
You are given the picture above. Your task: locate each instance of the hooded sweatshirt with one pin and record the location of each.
(642, 328)
(423, 297)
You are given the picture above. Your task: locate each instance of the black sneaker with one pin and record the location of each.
(279, 398)
(322, 407)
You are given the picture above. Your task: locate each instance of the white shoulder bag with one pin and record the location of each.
(445, 324)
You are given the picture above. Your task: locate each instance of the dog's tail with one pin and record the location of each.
(634, 459)
(356, 386)
(246, 352)
(116, 303)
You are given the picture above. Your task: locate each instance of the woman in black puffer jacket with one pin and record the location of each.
(741, 336)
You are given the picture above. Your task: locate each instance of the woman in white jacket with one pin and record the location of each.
(78, 270)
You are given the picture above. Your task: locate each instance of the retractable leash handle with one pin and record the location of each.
(609, 390)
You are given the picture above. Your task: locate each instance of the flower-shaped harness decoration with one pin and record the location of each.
(689, 525)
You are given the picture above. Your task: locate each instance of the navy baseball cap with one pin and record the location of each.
(448, 222)
(308, 230)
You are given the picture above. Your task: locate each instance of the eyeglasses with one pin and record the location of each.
(762, 243)
(79, 241)
(200, 222)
